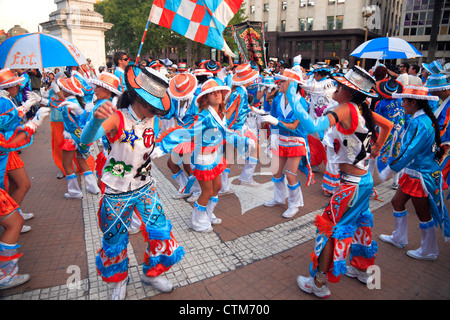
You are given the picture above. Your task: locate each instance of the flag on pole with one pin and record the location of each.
(200, 20)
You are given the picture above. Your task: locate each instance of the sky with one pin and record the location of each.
(26, 13)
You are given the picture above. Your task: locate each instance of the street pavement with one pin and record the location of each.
(255, 254)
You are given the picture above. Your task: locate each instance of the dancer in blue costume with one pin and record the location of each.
(421, 179)
(237, 110)
(75, 118)
(391, 109)
(131, 129)
(345, 225)
(289, 147)
(13, 136)
(181, 90)
(210, 132)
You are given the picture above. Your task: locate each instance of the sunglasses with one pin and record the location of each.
(125, 59)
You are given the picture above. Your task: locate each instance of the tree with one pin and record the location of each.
(437, 15)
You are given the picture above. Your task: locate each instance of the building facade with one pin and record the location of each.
(322, 30)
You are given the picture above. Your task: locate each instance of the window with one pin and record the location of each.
(341, 1)
(283, 25)
(284, 5)
(310, 2)
(303, 3)
(304, 46)
(252, 9)
(302, 24)
(339, 22)
(330, 22)
(331, 1)
(310, 22)
(266, 7)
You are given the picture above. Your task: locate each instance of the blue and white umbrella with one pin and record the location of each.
(386, 48)
(39, 51)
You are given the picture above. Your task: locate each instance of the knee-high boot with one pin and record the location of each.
(199, 219)
(91, 182)
(210, 210)
(225, 185)
(295, 200)
(74, 191)
(279, 192)
(429, 245)
(246, 177)
(399, 237)
(182, 180)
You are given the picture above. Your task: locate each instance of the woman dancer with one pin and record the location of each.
(346, 222)
(131, 129)
(210, 131)
(421, 180)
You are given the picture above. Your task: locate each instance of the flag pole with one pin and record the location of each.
(143, 38)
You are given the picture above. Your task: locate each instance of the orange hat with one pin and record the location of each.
(108, 81)
(8, 79)
(211, 85)
(415, 92)
(182, 86)
(202, 72)
(71, 85)
(289, 74)
(244, 74)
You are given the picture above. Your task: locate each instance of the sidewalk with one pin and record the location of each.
(254, 255)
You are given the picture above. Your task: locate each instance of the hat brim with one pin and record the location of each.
(12, 82)
(415, 96)
(186, 94)
(238, 81)
(159, 106)
(342, 80)
(381, 89)
(281, 77)
(440, 87)
(64, 88)
(427, 67)
(104, 85)
(225, 92)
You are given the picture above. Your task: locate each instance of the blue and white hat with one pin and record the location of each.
(437, 82)
(433, 68)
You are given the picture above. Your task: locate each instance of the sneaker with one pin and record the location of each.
(327, 194)
(210, 229)
(290, 212)
(273, 203)
(14, 281)
(120, 290)
(224, 193)
(216, 221)
(362, 276)
(60, 175)
(417, 254)
(180, 195)
(252, 183)
(27, 216)
(73, 196)
(25, 229)
(159, 283)
(307, 284)
(394, 186)
(388, 239)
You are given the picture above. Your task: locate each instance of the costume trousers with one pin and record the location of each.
(347, 222)
(115, 215)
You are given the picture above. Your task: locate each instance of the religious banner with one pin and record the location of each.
(249, 37)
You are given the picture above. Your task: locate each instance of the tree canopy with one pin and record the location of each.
(130, 18)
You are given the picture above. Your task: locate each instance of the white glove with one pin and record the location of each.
(385, 173)
(270, 119)
(74, 108)
(34, 96)
(157, 153)
(38, 118)
(89, 107)
(55, 87)
(258, 111)
(29, 103)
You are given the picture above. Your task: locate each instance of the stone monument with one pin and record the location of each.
(77, 22)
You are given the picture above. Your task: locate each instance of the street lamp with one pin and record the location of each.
(367, 12)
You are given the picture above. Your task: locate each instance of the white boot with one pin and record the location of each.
(399, 237)
(279, 193)
(295, 200)
(182, 180)
(200, 220)
(225, 185)
(120, 290)
(160, 283)
(91, 183)
(246, 177)
(210, 211)
(74, 191)
(429, 244)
